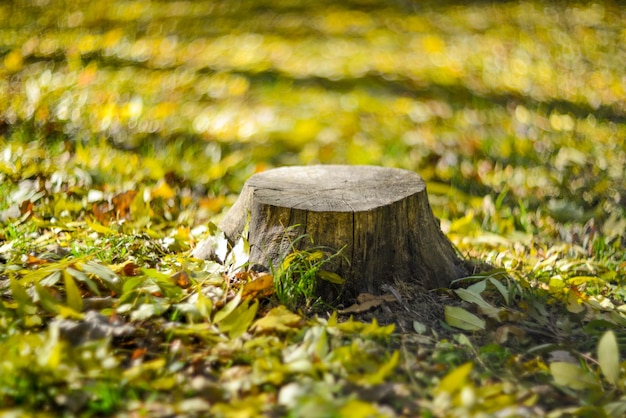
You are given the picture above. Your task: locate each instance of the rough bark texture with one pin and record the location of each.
(379, 216)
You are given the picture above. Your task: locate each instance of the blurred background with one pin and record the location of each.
(520, 101)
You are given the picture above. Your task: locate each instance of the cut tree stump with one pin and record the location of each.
(379, 217)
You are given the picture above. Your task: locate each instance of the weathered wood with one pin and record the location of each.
(379, 216)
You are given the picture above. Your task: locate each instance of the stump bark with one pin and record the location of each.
(379, 216)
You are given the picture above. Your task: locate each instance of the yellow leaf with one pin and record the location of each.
(329, 276)
(288, 260)
(144, 369)
(163, 190)
(51, 354)
(433, 44)
(350, 326)
(227, 309)
(332, 321)
(99, 228)
(375, 330)
(315, 255)
(355, 408)
(19, 293)
(556, 283)
(573, 303)
(382, 372)
(456, 379)
(204, 304)
(72, 294)
(13, 61)
(46, 300)
(465, 224)
(279, 319)
(238, 322)
(261, 286)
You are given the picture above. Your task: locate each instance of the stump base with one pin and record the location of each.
(379, 216)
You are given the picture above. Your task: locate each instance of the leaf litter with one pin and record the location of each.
(120, 147)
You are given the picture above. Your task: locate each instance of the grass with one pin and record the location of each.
(298, 274)
(128, 130)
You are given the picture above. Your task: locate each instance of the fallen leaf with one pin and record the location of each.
(32, 261)
(119, 208)
(381, 373)
(13, 61)
(462, 319)
(455, 379)
(361, 307)
(358, 409)
(573, 301)
(366, 297)
(608, 357)
(162, 190)
(122, 202)
(261, 286)
(504, 332)
(72, 293)
(26, 209)
(228, 308)
(279, 319)
(365, 302)
(102, 213)
(138, 353)
(102, 219)
(570, 375)
(238, 322)
(127, 268)
(131, 269)
(419, 327)
(181, 279)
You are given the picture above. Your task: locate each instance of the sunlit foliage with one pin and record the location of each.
(128, 127)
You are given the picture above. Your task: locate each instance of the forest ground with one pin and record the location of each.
(127, 129)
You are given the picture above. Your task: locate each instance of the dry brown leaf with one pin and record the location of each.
(119, 208)
(33, 260)
(367, 301)
(366, 297)
(122, 202)
(131, 269)
(504, 333)
(127, 268)
(181, 279)
(102, 212)
(26, 208)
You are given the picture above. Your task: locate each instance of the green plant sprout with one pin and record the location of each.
(297, 276)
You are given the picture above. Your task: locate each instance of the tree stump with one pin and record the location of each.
(379, 216)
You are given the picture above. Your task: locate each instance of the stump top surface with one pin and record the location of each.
(334, 188)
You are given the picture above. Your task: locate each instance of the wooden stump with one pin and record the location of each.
(379, 216)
